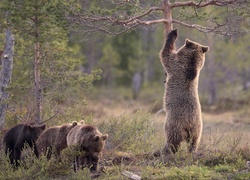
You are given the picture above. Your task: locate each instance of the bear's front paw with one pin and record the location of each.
(172, 37)
(174, 32)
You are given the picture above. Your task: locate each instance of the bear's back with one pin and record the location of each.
(74, 134)
(81, 134)
(47, 137)
(13, 134)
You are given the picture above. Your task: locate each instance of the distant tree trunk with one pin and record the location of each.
(211, 92)
(38, 89)
(136, 84)
(212, 81)
(5, 74)
(37, 75)
(148, 44)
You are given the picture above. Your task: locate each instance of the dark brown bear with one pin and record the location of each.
(16, 137)
(89, 142)
(183, 111)
(54, 140)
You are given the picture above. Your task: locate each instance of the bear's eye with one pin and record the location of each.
(96, 138)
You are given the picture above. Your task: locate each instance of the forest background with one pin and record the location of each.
(64, 70)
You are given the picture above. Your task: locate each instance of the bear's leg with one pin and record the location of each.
(49, 152)
(193, 141)
(17, 157)
(10, 153)
(169, 44)
(36, 151)
(76, 163)
(173, 142)
(93, 163)
(83, 162)
(57, 153)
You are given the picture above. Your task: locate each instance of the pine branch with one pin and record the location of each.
(206, 3)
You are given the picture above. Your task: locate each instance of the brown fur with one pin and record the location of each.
(16, 137)
(89, 142)
(54, 139)
(183, 111)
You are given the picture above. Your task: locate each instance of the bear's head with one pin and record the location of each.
(64, 129)
(191, 58)
(36, 130)
(92, 139)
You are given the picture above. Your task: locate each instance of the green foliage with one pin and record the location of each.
(191, 172)
(125, 129)
(62, 80)
(128, 47)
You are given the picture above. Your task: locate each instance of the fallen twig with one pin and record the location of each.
(131, 175)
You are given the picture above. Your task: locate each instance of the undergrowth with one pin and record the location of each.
(133, 137)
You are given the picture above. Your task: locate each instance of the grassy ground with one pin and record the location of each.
(135, 131)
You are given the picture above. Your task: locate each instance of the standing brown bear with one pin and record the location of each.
(89, 142)
(183, 111)
(54, 140)
(16, 137)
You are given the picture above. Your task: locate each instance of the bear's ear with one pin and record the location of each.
(30, 126)
(188, 43)
(43, 126)
(74, 123)
(82, 122)
(104, 137)
(205, 49)
(96, 138)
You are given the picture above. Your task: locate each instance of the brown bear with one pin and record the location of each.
(181, 101)
(16, 137)
(54, 140)
(89, 142)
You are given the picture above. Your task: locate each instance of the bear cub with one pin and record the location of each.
(89, 142)
(16, 137)
(53, 140)
(182, 67)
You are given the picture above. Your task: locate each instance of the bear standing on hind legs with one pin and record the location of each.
(181, 101)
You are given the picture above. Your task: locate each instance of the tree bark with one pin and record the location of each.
(5, 74)
(37, 74)
(167, 14)
(38, 89)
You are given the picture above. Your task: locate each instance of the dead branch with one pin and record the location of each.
(131, 175)
(137, 21)
(49, 118)
(115, 25)
(195, 26)
(114, 20)
(206, 3)
(143, 14)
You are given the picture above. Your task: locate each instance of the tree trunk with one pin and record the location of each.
(167, 14)
(37, 72)
(136, 84)
(5, 75)
(211, 92)
(212, 68)
(38, 89)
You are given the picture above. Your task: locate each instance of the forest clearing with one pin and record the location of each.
(135, 132)
(112, 89)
